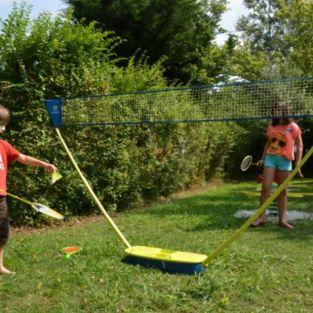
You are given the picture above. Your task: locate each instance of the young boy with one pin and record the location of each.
(9, 154)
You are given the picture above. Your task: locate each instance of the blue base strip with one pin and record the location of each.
(171, 267)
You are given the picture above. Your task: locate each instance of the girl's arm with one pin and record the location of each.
(299, 149)
(298, 154)
(30, 161)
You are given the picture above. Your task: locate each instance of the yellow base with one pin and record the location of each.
(166, 255)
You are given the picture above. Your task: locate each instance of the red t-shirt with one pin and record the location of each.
(7, 154)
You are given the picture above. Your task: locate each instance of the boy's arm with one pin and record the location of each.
(30, 161)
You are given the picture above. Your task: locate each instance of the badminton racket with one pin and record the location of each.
(37, 207)
(247, 162)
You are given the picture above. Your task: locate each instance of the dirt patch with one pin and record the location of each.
(73, 222)
(198, 189)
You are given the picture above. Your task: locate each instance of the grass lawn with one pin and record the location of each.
(268, 269)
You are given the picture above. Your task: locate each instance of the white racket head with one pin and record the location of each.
(246, 162)
(47, 211)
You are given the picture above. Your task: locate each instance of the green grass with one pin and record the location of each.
(268, 269)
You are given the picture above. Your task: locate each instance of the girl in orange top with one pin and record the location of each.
(284, 138)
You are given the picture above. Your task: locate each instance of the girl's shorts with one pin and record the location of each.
(4, 221)
(277, 161)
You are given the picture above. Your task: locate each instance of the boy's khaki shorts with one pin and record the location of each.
(4, 221)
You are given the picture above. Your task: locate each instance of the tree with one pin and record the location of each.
(263, 34)
(181, 30)
(263, 27)
(245, 64)
(55, 55)
(298, 17)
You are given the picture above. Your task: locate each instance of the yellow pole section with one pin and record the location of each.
(261, 209)
(100, 206)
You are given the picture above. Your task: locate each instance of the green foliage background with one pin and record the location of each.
(182, 31)
(126, 165)
(63, 57)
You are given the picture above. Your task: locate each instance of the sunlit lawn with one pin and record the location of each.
(269, 269)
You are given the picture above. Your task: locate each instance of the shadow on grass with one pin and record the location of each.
(303, 231)
(217, 210)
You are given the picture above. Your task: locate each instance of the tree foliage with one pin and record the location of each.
(279, 32)
(263, 27)
(54, 55)
(181, 30)
(298, 17)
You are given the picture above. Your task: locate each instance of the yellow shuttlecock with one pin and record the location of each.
(55, 177)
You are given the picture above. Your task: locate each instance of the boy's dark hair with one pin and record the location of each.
(284, 119)
(4, 115)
